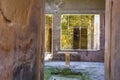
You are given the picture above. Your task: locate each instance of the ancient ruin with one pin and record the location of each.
(22, 36)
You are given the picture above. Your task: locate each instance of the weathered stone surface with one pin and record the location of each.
(96, 56)
(95, 70)
(77, 7)
(112, 40)
(6, 49)
(19, 23)
(72, 6)
(62, 78)
(16, 11)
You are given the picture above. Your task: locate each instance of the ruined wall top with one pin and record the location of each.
(75, 6)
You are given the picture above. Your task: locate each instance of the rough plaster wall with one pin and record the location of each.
(6, 50)
(56, 32)
(89, 56)
(115, 40)
(107, 40)
(19, 22)
(76, 7)
(97, 56)
(112, 53)
(83, 4)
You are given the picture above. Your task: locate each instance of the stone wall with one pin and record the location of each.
(77, 7)
(19, 23)
(74, 6)
(95, 56)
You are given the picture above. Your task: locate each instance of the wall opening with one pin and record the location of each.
(48, 36)
(80, 32)
(77, 40)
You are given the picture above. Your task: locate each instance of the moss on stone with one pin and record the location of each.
(64, 72)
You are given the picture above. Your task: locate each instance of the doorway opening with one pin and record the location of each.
(48, 36)
(76, 40)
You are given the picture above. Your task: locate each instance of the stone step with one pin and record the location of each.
(62, 78)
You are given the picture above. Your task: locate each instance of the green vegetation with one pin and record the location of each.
(48, 73)
(48, 21)
(71, 23)
(48, 32)
(64, 72)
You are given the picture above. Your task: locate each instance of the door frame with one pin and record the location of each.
(108, 42)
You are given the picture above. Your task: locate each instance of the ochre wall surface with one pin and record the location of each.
(19, 23)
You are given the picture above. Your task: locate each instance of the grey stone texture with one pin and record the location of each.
(62, 78)
(95, 69)
(59, 7)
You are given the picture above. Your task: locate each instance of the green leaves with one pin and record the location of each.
(64, 72)
(80, 22)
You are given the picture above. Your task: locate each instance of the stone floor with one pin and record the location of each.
(94, 69)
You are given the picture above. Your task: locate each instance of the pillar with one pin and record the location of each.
(56, 32)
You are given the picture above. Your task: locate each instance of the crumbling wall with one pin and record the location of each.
(81, 55)
(59, 7)
(19, 23)
(74, 6)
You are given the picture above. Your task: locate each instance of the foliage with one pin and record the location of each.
(48, 32)
(47, 74)
(69, 22)
(75, 20)
(48, 20)
(64, 72)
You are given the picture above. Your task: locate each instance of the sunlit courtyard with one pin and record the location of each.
(77, 71)
(74, 45)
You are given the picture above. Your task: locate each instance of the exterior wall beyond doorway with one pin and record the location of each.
(97, 56)
(84, 7)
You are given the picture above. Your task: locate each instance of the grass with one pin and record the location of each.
(64, 72)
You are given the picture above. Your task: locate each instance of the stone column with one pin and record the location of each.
(56, 32)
